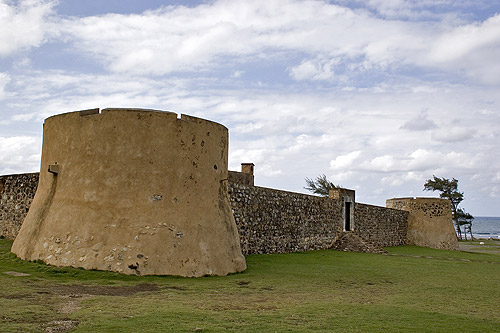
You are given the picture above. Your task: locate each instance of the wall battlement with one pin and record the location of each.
(140, 113)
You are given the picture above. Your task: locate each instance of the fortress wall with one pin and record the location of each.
(429, 222)
(274, 221)
(268, 220)
(380, 225)
(240, 178)
(16, 195)
(133, 191)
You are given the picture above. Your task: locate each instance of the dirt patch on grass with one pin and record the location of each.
(492, 247)
(73, 295)
(16, 273)
(81, 290)
(16, 296)
(64, 325)
(71, 303)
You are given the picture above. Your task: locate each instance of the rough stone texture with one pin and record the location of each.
(240, 178)
(347, 200)
(351, 242)
(133, 191)
(429, 222)
(16, 195)
(273, 221)
(379, 225)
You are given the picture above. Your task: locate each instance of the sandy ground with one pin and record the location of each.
(489, 246)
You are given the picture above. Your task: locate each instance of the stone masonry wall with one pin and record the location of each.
(273, 221)
(379, 225)
(16, 194)
(268, 220)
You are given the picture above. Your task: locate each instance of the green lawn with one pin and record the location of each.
(412, 289)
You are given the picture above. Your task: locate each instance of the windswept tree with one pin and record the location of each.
(465, 219)
(321, 185)
(449, 190)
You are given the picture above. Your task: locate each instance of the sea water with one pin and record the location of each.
(486, 227)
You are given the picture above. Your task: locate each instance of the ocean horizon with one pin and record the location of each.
(486, 227)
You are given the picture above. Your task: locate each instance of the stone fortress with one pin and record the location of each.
(145, 192)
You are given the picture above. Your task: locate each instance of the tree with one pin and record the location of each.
(321, 185)
(465, 219)
(449, 190)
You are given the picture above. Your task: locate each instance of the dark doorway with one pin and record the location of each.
(347, 217)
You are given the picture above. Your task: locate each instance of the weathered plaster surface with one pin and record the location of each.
(429, 222)
(134, 191)
(274, 221)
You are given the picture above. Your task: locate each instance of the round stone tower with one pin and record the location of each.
(133, 191)
(429, 222)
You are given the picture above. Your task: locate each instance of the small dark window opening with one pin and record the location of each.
(347, 217)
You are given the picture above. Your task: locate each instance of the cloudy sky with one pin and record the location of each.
(379, 95)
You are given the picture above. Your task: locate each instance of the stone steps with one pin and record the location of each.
(351, 242)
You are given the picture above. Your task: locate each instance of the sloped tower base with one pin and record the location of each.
(133, 191)
(430, 222)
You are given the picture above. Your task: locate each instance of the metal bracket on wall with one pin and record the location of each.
(54, 169)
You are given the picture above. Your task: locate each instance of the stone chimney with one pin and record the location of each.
(247, 168)
(245, 177)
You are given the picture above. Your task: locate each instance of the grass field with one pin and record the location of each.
(411, 289)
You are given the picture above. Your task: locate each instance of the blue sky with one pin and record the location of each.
(379, 95)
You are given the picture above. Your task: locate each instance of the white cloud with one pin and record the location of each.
(496, 178)
(248, 156)
(419, 123)
(463, 40)
(333, 41)
(473, 48)
(268, 170)
(452, 134)
(420, 160)
(343, 162)
(237, 74)
(15, 144)
(4, 80)
(402, 178)
(411, 9)
(184, 39)
(19, 153)
(24, 24)
(340, 177)
(314, 69)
